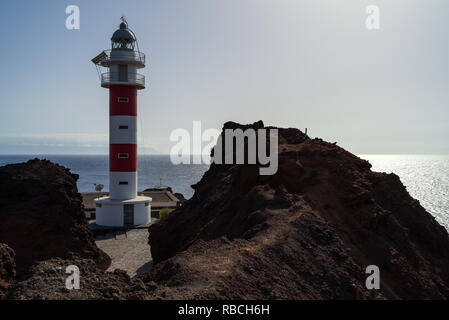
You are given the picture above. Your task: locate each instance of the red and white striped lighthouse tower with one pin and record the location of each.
(123, 207)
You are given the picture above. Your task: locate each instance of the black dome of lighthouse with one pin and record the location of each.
(123, 38)
(123, 34)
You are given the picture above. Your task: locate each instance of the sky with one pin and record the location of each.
(291, 63)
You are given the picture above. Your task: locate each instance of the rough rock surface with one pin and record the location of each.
(307, 232)
(42, 215)
(7, 268)
(47, 281)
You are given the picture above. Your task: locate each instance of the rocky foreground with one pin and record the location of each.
(307, 232)
(7, 268)
(42, 217)
(47, 281)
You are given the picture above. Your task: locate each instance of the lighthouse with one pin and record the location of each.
(123, 207)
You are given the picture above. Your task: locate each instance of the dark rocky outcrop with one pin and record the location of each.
(47, 281)
(307, 232)
(7, 268)
(42, 216)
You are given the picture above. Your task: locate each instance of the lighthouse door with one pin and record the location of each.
(128, 215)
(123, 72)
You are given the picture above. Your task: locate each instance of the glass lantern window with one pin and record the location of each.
(123, 45)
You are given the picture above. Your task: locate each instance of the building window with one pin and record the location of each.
(123, 127)
(147, 204)
(123, 183)
(98, 205)
(123, 99)
(123, 156)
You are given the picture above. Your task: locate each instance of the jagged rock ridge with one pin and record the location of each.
(307, 232)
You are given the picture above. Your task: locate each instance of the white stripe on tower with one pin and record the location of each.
(123, 130)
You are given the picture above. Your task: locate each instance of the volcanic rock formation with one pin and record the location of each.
(7, 268)
(47, 281)
(42, 215)
(307, 232)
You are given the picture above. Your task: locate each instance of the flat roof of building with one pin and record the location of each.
(161, 199)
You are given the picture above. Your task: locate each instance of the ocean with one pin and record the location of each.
(426, 177)
(154, 170)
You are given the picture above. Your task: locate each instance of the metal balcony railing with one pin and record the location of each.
(123, 56)
(130, 79)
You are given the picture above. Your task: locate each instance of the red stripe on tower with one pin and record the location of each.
(123, 101)
(123, 157)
